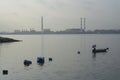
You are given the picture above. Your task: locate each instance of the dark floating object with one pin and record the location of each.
(5, 72)
(50, 59)
(78, 52)
(99, 50)
(27, 62)
(5, 40)
(40, 60)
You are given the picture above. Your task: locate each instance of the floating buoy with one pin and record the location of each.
(5, 72)
(78, 52)
(50, 59)
(40, 60)
(27, 62)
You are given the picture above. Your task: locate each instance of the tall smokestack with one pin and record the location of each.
(84, 24)
(42, 23)
(81, 23)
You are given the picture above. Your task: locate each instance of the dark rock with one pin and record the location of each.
(40, 60)
(27, 62)
(5, 72)
(50, 59)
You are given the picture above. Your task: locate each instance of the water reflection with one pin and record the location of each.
(41, 64)
(27, 68)
(0, 49)
(94, 56)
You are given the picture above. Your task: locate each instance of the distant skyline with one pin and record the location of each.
(59, 14)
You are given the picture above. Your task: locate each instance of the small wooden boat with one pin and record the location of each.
(99, 50)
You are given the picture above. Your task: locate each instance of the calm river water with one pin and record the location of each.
(66, 64)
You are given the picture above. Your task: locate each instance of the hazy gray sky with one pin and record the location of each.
(59, 14)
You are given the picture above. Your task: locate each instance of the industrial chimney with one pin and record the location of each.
(42, 23)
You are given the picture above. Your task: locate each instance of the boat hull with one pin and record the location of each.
(99, 50)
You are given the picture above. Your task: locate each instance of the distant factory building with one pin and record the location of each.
(74, 30)
(46, 30)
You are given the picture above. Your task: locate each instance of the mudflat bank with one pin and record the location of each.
(5, 40)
